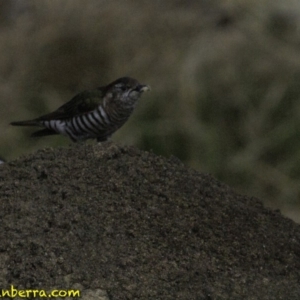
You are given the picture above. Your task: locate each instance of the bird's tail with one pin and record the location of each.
(25, 123)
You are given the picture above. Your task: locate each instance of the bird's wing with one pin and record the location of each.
(84, 102)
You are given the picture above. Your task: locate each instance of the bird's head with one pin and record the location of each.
(126, 90)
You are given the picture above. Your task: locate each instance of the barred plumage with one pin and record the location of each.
(92, 114)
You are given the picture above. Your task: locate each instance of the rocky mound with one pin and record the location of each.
(125, 224)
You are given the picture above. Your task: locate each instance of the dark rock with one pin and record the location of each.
(139, 226)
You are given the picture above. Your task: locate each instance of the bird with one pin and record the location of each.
(91, 114)
(2, 160)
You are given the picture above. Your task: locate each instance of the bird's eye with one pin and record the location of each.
(123, 87)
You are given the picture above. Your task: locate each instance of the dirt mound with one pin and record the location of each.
(139, 226)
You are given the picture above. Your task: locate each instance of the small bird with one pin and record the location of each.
(2, 161)
(92, 114)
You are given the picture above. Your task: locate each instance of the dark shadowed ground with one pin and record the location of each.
(139, 226)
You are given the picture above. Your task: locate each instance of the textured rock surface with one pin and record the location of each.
(139, 226)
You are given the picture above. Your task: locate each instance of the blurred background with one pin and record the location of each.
(225, 78)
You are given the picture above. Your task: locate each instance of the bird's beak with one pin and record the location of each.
(143, 88)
